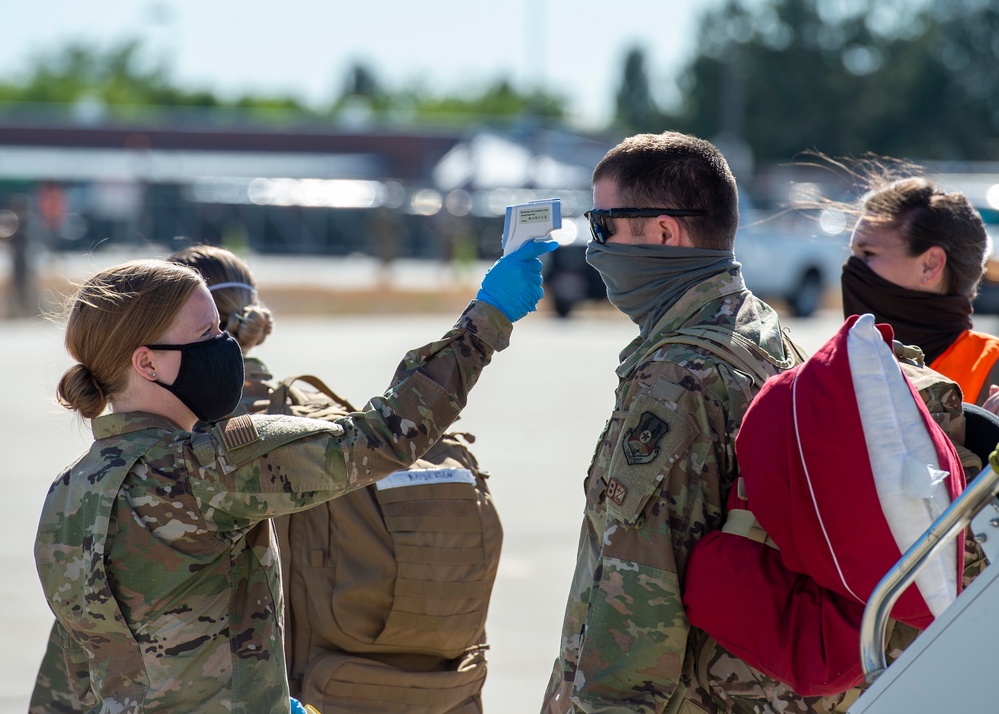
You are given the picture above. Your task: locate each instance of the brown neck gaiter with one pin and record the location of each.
(929, 320)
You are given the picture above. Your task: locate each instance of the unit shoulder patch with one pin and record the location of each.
(641, 442)
(655, 436)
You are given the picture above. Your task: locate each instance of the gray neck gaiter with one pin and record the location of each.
(644, 281)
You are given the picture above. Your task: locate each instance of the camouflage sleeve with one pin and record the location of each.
(256, 467)
(430, 388)
(63, 681)
(662, 490)
(942, 397)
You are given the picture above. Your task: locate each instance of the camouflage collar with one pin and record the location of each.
(697, 305)
(117, 424)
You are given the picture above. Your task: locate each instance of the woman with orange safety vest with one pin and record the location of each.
(918, 255)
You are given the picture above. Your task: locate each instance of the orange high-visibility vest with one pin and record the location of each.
(968, 362)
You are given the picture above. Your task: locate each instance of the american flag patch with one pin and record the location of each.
(239, 431)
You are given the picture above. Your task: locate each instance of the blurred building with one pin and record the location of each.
(306, 191)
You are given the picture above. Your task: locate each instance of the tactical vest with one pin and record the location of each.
(388, 587)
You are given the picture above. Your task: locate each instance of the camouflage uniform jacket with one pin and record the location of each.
(155, 549)
(657, 483)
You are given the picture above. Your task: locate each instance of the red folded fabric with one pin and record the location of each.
(795, 613)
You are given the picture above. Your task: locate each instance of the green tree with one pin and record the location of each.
(366, 99)
(636, 108)
(119, 76)
(122, 83)
(498, 100)
(847, 78)
(966, 49)
(361, 82)
(362, 94)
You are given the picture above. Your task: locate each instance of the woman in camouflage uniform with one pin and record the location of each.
(155, 549)
(392, 618)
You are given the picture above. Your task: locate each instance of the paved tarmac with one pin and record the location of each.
(537, 412)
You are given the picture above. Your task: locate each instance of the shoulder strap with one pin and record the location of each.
(743, 523)
(791, 347)
(910, 353)
(280, 394)
(731, 347)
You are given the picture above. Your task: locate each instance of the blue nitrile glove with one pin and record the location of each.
(296, 707)
(513, 284)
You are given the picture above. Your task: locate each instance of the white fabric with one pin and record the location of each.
(422, 477)
(906, 469)
(219, 286)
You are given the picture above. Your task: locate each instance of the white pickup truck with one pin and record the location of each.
(791, 257)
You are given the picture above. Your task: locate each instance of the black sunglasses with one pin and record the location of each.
(602, 227)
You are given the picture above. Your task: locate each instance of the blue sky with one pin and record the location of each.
(303, 47)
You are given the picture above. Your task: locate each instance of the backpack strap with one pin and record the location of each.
(741, 522)
(791, 347)
(751, 359)
(733, 348)
(279, 396)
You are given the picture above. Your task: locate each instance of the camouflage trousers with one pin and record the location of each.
(747, 692)
(717, 682)
(724, 684)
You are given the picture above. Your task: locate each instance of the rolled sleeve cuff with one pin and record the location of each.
(487, 323)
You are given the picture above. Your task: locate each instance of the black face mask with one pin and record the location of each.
(210, 379)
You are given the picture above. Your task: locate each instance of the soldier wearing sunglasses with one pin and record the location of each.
(664, 219)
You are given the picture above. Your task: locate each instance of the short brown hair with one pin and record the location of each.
(674, 170)
(112, 314)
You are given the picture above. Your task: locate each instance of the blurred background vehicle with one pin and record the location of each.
(569, 279)
(792, 257)
(796, 258)
(987, 302)
(980, 183)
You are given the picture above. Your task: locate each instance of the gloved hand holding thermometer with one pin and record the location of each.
(513, 283)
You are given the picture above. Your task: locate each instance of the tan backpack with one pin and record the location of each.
(388, 587)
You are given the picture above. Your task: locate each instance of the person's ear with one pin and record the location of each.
(934, 260)
(673, 232)
(144, 362)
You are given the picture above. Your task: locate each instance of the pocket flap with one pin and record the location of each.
(341, 683)
(653, 437)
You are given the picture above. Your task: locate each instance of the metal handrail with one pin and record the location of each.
(950, 523)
